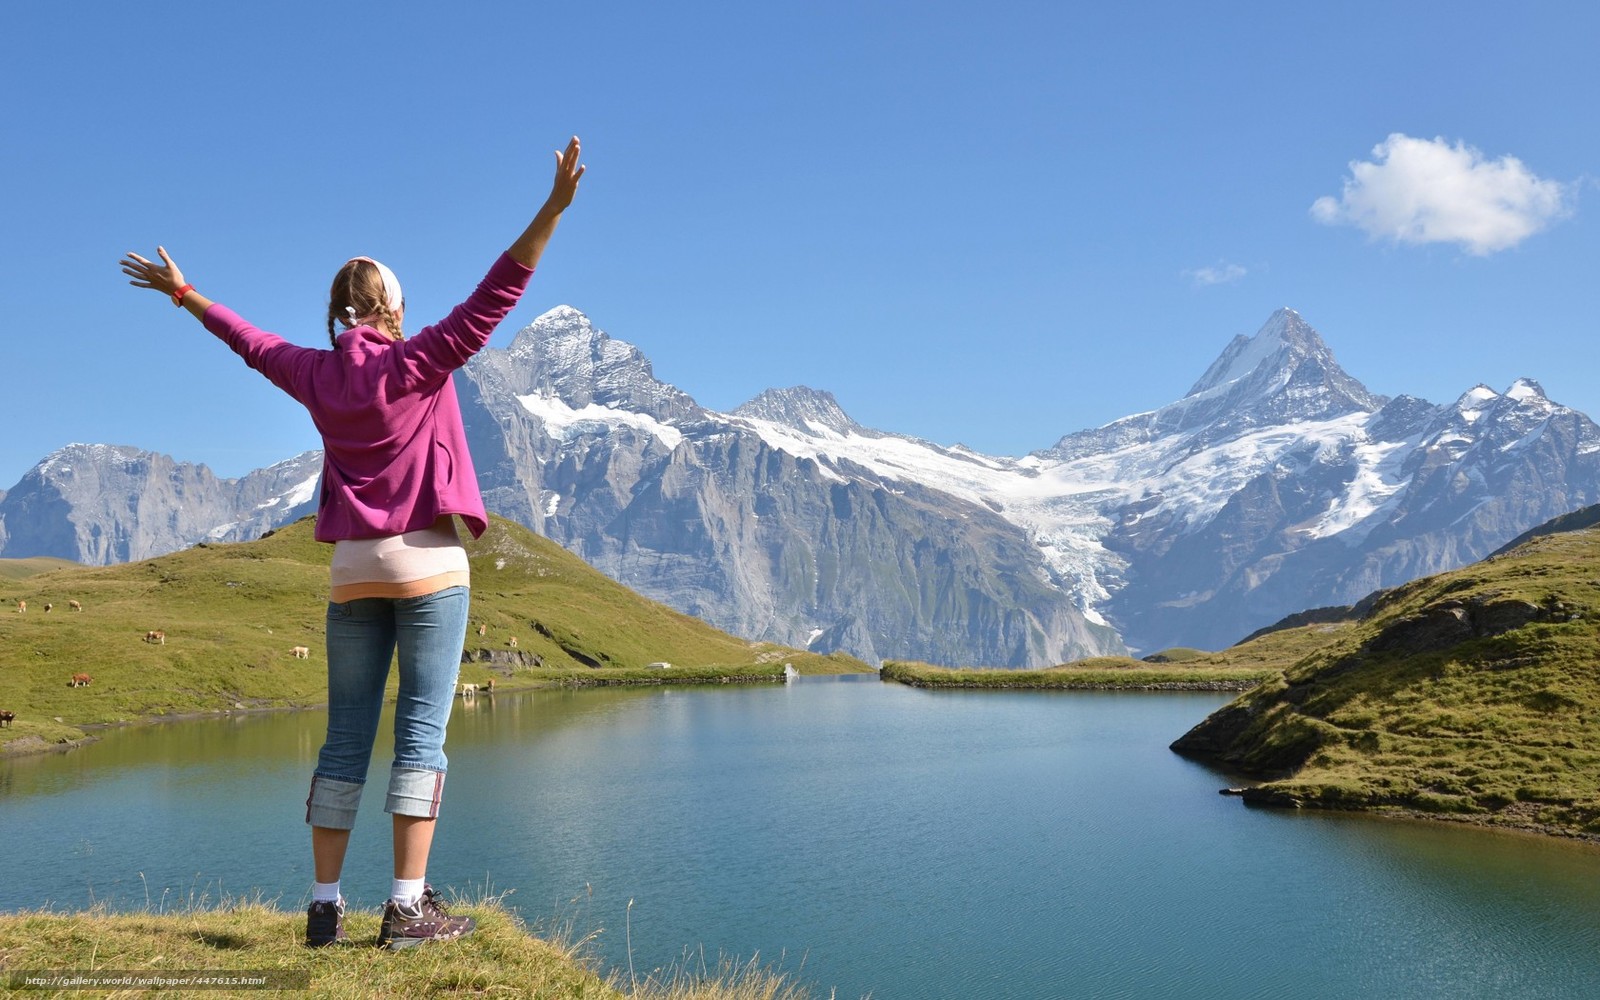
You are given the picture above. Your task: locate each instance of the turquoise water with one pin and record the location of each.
(867, 838)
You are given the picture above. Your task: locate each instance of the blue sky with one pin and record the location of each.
(990, 223)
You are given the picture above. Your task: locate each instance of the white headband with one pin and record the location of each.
(391, 291)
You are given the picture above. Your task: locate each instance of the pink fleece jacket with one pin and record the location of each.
(394, 449)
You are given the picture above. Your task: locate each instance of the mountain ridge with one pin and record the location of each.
(1278, 482)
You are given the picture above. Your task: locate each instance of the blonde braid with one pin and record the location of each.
(389, 323)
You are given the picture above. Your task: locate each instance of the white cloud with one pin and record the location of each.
(1221, 274)
(1428, 191)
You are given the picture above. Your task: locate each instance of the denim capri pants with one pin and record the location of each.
(363, 637)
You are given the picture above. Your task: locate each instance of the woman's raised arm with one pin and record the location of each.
(529, 247)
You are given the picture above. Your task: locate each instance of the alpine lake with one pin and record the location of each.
(862, 837)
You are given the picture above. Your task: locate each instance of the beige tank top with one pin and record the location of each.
(409, 565)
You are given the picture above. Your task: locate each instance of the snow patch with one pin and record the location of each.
(297, 495)
(564, 421)
(1063, 505)
(1376, 485)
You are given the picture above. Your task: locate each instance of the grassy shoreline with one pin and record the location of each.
(502, 957)
(1091, 675)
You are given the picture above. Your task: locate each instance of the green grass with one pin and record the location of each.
(20, 569)
(1099, 673)
(233, 612)
(1238, 668)
(501, 958)
(1500, 729)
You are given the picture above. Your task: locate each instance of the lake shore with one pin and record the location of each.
(58, 735)
(1130, 675)
(255, 939)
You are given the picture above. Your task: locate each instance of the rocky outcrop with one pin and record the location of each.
(503, 660)
(1452, 622)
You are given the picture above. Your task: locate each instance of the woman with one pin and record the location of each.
(395, 471)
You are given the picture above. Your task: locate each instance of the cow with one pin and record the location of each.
(488, 685)
(157, 636)
(22, 607)
(483, 630)
(48, 607)
(300, 652)
(80, 680)
(74, 605)
(6, 718)
(512, 642)
(469, 690)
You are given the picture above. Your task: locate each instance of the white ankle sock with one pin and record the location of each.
(325, 892)
(406, 891)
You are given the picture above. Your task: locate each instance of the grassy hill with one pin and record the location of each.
(18, 569)
(1473, 694)
(233, 612)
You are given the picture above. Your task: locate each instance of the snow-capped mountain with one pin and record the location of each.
(100, 504)
(735, 518)
(1277, 483)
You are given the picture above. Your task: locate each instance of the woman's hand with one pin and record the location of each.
(529, 247)
(164, 277)
(568, 170)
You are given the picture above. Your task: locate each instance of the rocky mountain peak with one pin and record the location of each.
(1525, 390)
(88, 464)
(1285, 373)
(1523, 394)
(801, 407)
(561, 336)
(1286, 348)
(563, 355)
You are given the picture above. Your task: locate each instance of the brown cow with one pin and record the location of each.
(512, 642)
(80, 680)
(22, 606)
(488, 685)
(483, 630)
(74, 605)
(6, 717)
(156, 635)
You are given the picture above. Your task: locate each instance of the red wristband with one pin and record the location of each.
(177, 296)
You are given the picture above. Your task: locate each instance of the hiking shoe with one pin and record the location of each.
(325, 924)
(426, 920)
